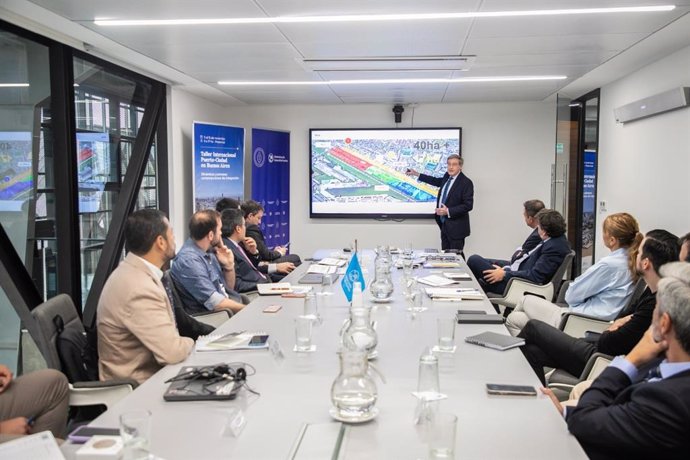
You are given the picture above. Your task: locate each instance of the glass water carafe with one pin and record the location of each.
(359, 334)
(353, 392)
(382, 286)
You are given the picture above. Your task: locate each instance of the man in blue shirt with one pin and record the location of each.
(629, 414)
(204, 269)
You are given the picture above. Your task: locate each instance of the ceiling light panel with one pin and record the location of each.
(390, 63)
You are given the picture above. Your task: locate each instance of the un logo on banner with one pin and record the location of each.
(270, 158)
(259, 157)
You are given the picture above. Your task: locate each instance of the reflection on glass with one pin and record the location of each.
(22, 166)
(109, 109)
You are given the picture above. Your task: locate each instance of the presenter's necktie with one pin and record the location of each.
(444, 195)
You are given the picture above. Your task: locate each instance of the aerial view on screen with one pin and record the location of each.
(15, 169)
(358, 167)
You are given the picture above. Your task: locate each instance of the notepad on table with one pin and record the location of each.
(273, 288)
(333, 262)
(322, 269)
(440, 264)
(231, 341)
(496, 341)
(454, 294)
(459, 276)
(435, 280)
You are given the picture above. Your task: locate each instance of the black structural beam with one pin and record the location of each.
(65, 171)
(114, 241)
(162, 162)
(16, 281)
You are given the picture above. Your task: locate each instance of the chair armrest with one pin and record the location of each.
(561, 386)
(576, 324)
(518, 287)
(595, 366)
(561, 377)
(105, 384)
(561, 292)
(90, 393)
(213, 318)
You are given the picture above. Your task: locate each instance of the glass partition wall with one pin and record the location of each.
(97, 126)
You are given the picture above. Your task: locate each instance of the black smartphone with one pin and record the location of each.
(83, 433)
(518, 390)
(258, 340)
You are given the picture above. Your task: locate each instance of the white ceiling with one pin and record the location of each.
(572, 45)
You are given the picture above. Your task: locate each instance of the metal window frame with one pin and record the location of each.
(114, 241)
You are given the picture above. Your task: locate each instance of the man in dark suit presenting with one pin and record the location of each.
(453, 204)
(627, 414)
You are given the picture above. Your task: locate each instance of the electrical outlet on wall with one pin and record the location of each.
(602, 206)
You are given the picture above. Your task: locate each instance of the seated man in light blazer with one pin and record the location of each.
(539, 265)
(136, 327)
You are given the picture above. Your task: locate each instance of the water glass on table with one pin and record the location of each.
(311, 307)
(416, 301)
(442, 436)
(446, 335)
(135, 429)
(303, 329)
(407, 264)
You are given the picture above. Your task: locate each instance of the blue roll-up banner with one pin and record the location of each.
(218, 164)
(271, 183)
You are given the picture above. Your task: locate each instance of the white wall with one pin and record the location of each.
(508, 150)
(644, 165)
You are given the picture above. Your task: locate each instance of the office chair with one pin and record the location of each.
(576, 324)
(196, 324)
(562, 382)
(81, 393)
(518, 287)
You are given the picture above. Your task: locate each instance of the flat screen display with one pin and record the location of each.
(361, 172)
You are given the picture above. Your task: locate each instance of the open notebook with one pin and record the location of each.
(230, 341)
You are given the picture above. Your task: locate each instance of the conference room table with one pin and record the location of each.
(295, 390)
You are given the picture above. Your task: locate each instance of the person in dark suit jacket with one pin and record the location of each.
(620, 416)
(531, 208)
(547, 346)
(247, 273)
(253, 213)
(454, 202)
(539, 265)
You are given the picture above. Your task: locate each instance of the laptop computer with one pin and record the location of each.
(201, 383)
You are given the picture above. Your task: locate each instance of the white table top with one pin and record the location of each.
(297, 390)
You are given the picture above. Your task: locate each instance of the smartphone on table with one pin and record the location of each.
(258, 340)
(517, 390)
(83, 433)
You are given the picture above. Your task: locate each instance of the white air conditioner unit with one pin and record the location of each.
(653, 105)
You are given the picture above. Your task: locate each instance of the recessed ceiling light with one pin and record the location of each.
(14, 85)
(383, 81)
(378, 17)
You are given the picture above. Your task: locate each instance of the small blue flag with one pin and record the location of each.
(352, 275)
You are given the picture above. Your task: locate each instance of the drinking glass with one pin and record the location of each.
(446, 334)
(135, 429)
(311, 307)
(442, 436)
(303, 325)
(428, 382)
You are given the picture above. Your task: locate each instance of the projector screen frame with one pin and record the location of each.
(371, 215)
